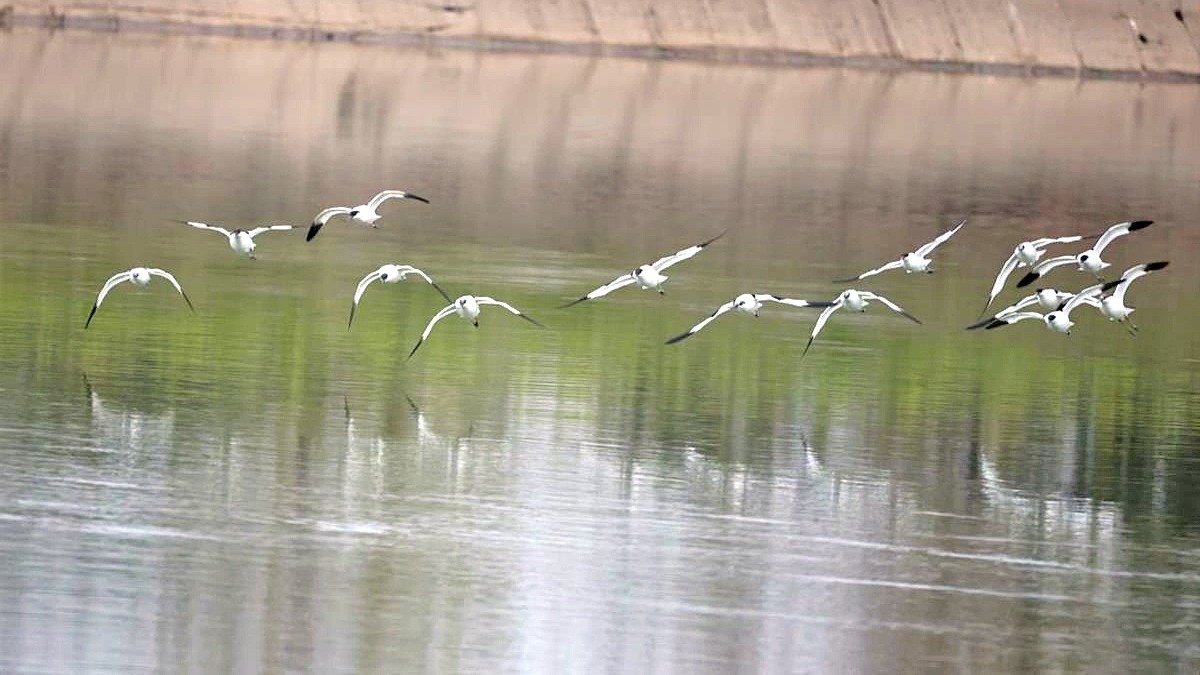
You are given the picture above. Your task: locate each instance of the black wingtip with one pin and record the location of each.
(439, 290)
(713, 239)
(415, 348)
(1155, 266)
(574, 302)
(806, 348)
(1106, 287)
(188, 301)
(351, 321)
(90, 315)
(1028, 279)
(532, 320)
(981, 323)
(845, 281)
(677, 338)
(996, 323)
(312, 231)
(409, 195)
(914, 319)
(1140, 224)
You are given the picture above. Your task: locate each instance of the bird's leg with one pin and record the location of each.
(1133, 329)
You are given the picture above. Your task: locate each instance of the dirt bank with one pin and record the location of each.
(1131, 38)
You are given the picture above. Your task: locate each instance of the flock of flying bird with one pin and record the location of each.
(1106, 296)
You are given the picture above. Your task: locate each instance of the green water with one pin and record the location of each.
(255, 488)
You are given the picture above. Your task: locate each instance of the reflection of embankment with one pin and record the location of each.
(619, 137)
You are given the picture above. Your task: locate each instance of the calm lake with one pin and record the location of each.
(255, 488)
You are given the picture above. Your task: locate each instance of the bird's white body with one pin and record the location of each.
(913, 261)
(389, 274)
(467, 307)
(365, 214)
(1058, 320)
(138, 276)
(647, 277)
(1027, 254)
(1089, 260)
(748, 303)
(854, 300)
(241, 241)
(1113, 306)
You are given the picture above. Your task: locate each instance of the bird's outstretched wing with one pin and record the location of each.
(167, 275)
(867, 295)
(1043, 267)
(1119, 230)
(1009, 319)
(894, 265)
(406, 270)
(1046, 241)
(926, 249)
(108, 286)
(793, 302)
(323, 217)
(362, 288)
(267, 228)
(1015, 307)
(442, 313)
(205, 226)
(998, 285)
(619, 282)
(1128, 277)
(821, 320)
(704, 322)
(382, 197)
(484, 300)
(679, 256)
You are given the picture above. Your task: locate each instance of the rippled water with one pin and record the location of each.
(255, 488)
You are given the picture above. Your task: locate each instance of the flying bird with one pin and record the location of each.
(1089, 260)
(139, 276)
(857, 301)
(467, 307)
(366, 214)
(1048, 298)
(749, 303)
(1026, 254)
(916, 261)
(241, 241)
(389, 274)
(1059, 320)
(646, 276)
(1113, 306)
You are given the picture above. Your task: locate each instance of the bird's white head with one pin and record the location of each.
(1047, 297)
(852, 299)
(1058, 321)
(747, 303)
(467, 308)
(139, 276)
(389, 274)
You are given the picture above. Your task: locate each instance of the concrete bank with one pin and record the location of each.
(1157, 39)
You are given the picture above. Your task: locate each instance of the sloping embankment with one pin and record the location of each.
(1154, 38)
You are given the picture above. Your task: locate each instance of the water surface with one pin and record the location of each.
(256, 488)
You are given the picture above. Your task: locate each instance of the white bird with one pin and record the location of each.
(1059, 320)
(646, 276)
(749, 303)
(1089, 260)
(366, 214)
(1113, 306)
(389, 274)
(1049, 299)
(467, 307)
(853, 300)
(241, 241)
(139, 276)
(1026, 254)
(916, 261)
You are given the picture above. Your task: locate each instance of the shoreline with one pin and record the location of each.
(93, 21)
